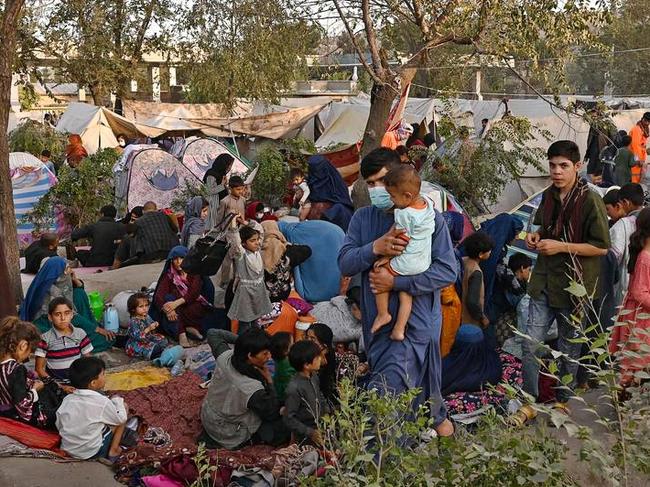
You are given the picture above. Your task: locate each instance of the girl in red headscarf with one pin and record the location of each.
(75, 151)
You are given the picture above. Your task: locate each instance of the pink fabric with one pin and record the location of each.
(160, 481)
(181, 285)
(632, 329)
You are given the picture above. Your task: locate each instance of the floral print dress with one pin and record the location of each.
(139, 343)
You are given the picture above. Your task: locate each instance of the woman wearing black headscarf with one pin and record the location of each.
(215, 182)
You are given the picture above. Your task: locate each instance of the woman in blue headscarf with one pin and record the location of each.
(328, 194)
(179, 303)
(196, 212)
(56, 279)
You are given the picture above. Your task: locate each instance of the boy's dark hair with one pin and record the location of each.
(626, 140)
(302, 353)
(296, 172)
(48, 239)
(84, 370)
(57, 302)
(108, 211)
(131, 228)
(598, 172)
(633, 193)
(405, 176)
(519, 261)
(236, 182)
(378, 159)
(13, 331)
(252, 341)
(246, 232)
(611, 197)
(134, 301)
(280, 345)
(401, 150)
(477, 243)
(46, 153)
(564, 148)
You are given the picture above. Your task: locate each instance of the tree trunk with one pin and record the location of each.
(8, 231)
(381, 102)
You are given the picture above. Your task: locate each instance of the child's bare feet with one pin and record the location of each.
(397, 334)
(380, 321)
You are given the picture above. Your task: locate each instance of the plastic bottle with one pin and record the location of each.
(111, 319)
(178, 368)
(96, 301)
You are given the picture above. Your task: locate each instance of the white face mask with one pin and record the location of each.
(121, 142)
(259, 216)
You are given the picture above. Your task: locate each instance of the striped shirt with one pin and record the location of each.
(61, 350)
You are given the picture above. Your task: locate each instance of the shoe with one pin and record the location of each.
(183, 341)
(561, 407)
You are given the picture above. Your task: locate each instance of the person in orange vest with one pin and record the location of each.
(639, 134)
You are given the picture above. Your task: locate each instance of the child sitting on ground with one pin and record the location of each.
(60, 345)
(251, 298)
(142, 341)
(301, 197)
(478, 247)
(90, 424)
(281, 342)
(414, 214)
(305, 403)
(19, 389)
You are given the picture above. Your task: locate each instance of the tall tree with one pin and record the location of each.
(244, 49)
(623, 67)
(492, 31)
(100, 43)
(10, 17)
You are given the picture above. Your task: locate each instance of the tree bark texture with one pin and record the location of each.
(8, 231)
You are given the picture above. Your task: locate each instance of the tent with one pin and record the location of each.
(147, 173)
(30, 180)
(99, 127)
(344, 122)
(197, 154)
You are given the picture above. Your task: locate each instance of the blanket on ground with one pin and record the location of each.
(128, 380)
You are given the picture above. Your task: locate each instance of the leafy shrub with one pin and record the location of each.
(33, 137)
(274, 163)
(80, 193)
(186, 193)
(377, 440)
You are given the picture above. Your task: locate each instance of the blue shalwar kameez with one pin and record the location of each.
(415, 362)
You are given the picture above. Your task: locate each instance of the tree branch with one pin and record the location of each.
(371, 36)
(416, 58)
(353, 39)
(418, 14)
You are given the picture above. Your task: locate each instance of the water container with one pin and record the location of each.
(96, 301)
(111, 319)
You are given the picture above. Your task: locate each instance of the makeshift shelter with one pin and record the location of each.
(197, 154)
(251, 119)
(147, 173)
(30, 180)
(99, 127)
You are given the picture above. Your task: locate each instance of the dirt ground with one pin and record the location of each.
(33, 472)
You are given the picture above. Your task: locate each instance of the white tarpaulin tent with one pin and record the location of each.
(99, 127)
(344, 122)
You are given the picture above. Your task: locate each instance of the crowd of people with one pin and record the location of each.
(400, 297)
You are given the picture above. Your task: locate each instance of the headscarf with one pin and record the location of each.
(274, 245)
(50, 272)
(456, 224)
(251, 210)
(503, 228)
(177, 279)
(193, 224)
(220, 167)
(325, 182)
(75, 150)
